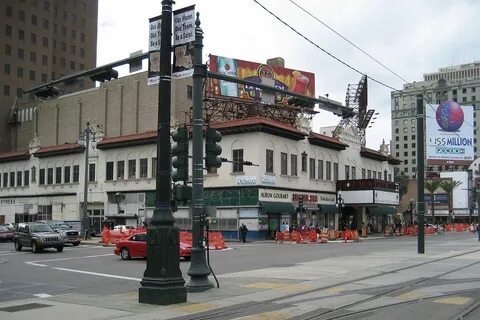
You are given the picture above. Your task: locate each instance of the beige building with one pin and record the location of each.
(458, 83)
(41, 40)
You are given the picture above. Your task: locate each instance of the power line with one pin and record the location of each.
(323, 50)
(347, 40)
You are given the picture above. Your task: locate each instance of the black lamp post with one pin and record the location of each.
(87, 135)
(162, 281)
(410, 208)
(340, 204)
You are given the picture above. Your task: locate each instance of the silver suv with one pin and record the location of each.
(69, 235)
(37, 236)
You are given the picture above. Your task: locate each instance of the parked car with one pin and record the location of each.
(37, 236)
(136, 246)
(6, 234)
(69, 234)
(10, 226)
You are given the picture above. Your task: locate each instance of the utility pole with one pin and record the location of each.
(199, 269)
(85, 220)
(420, 177)
(162, 281)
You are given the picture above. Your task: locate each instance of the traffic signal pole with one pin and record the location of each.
(420, 177)
(199, 269)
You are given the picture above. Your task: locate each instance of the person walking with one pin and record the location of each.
(478, 231)
(243, 233)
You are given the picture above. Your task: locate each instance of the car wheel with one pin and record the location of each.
(76, 243)
(60, 249)
(35, 247)
(18, 246)
(125, 254)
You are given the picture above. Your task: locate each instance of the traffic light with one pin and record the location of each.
(212, 149)
(300, 203)
(180, 154)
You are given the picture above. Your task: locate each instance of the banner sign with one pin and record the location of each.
(296, 81)
(183, 42)
(449, 131)
(154, 50)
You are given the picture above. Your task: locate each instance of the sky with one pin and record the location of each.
(410, 37)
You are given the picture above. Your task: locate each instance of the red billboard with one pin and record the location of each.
(300, 82)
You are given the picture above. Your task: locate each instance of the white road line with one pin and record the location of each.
(36, 264)
(72, 258)
(42, 295)
(99, 274)
(13, 253)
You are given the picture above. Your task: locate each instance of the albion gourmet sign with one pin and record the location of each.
(293, 196)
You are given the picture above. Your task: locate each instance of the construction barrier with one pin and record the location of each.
(279, 237)
(332, 235)
(312, 235)
(113, 236)
(324, 236)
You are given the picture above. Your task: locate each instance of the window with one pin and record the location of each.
(283, 163)
(374, 174)
(5, 179)
(405, 137)
(293, 165)
(26, 178)
(312, 168)
(397, 138)
(413, 145)
(132, 169)
(7, 69)
(8, 11)
(328, 170)
(41, 180)
(405, 161)
(76, 173)
(143, 168)
(354, 173)
(50, 176)
(33, 38)
(45, 42)
(363, 173)
(154, 168)
(396, 130)
(109, 171)
(269, 161)
(120, 169)
(19, 178)
(8, 50)
(189, 92)
(405, 153)
(34, 20)
(58, 175)
(66, 174)
(320, 169)
(464, 90)
(20, 53)
(12, 179)
(347, 172)
(44, 60)
(21, 34)
(6, 89)
(72, 65)
(46, 6)
(33, 56)
(32, 75)
(82, 52)
(8, 30)
(335, 171)
(385, 176)
(19, 92)
(34, 174)
(20, 72)
(304, 161)
(91, 172)
(237, 160)
(414, 153)
(45, 23)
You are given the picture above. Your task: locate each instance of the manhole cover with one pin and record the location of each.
(24, 307)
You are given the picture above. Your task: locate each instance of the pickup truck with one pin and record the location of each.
(69, 234)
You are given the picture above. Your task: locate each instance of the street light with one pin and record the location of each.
(410, 208)
(340, 204)
(85, 136)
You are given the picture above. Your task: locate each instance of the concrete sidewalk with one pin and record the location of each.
(247, 288)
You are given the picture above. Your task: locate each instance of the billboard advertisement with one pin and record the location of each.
(449, 131)
(297, 81)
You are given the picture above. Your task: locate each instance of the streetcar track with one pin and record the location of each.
(234, 310)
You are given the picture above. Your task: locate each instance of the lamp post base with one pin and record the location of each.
(162, 282)
(198, 272)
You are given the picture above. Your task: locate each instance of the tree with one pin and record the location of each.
(448, 186)
(402, 179)
(431, 186)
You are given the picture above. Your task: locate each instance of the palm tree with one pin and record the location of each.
(402, 179)
(448, 186)
(431, 186)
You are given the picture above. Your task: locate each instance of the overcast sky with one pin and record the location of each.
(411, 37)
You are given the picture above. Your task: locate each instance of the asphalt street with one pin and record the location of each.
(95, 270)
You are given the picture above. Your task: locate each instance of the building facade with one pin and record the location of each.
(458, 83)
(42, 40)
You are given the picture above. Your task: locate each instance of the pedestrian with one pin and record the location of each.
(478, 231)
(243, 233)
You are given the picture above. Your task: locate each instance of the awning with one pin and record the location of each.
(381, 211)
(328, 208)
(277, 207)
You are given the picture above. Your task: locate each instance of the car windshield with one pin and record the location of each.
(3, 228)
(59, 225)
(41, 228)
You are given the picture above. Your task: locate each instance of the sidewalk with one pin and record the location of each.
(254, 288)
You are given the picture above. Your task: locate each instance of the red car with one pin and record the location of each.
(6, 234)
(136, 246)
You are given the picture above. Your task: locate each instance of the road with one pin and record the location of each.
(95, 270)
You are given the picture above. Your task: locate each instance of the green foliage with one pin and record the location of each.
(402, 179)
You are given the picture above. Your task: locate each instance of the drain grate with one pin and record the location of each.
(24, 307)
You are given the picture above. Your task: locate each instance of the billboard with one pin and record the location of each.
(449, 133)
(297, 81)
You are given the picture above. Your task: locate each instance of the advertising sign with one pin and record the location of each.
(296, 81)
(155, 27)
(449, 131)
(183, 41)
